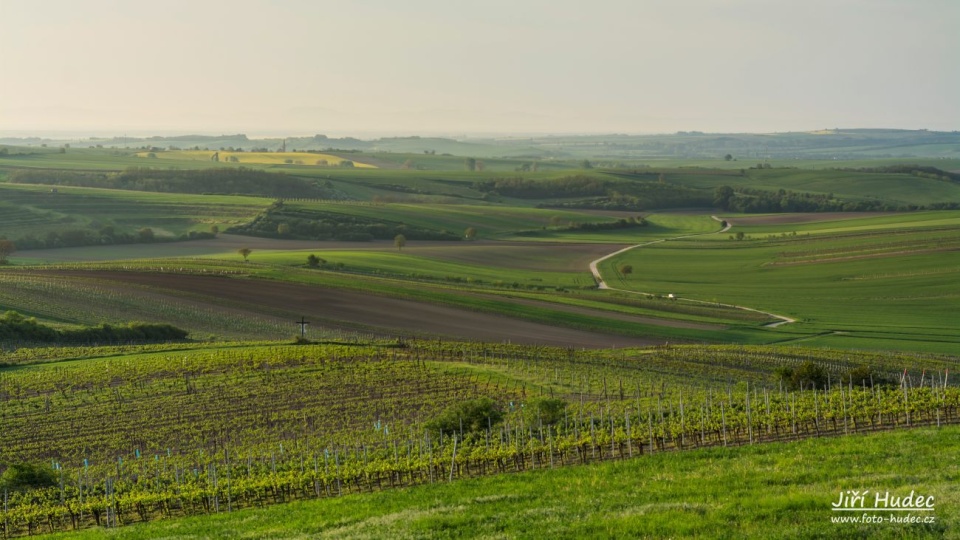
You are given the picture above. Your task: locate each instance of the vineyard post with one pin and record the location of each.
(766, 398)
(843, 406)
(226, 458)
(216, 494)
(613, 438)
(793, 411)
(749, 417)
(703, 417)
(723, 422)
(550, 447)
(336, 460)
(683, 423)
(593, 439)
(938, 397)
(650, 425)
(906, 403)
(453, 460)
(816, 410)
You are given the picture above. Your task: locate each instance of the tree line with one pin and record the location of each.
(279, 221)
(522, 188)
(752, 201)
(15, 327)
(223, 181)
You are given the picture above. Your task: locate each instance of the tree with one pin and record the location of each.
(214, 230)
(283, 229)
(739, 235)
(626, 269)
(727, 157)
(470, 233)
(399, 241)
(245, 252)
(585, 164)
(313, 261)
(346, 163)
(146, 234)
(470, 163)
(7, 248)
(722, 196)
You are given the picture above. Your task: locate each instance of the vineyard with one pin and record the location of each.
(130, 434)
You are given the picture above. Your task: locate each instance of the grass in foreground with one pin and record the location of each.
(764, 491)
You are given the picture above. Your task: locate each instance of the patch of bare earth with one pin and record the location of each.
(357, 309)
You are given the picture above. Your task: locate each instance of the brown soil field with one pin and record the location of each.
(340, 308)
(786, 219)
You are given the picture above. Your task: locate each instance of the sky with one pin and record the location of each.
(453, 67)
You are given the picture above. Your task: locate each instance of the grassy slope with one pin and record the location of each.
(781, 490)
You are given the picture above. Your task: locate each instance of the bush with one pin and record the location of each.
(27, 476)
(549, 411)
(473, 416)
(807, 375)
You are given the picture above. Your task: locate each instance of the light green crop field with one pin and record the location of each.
(866, 283)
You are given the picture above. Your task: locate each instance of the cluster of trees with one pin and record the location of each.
(810, 375)
(919, 171)
(522, 188)
(92, 237)
(15, 327)
(640, 196)
(86, 237)
(220, 180)
(748, 201)
(623, 223)
(318, 225)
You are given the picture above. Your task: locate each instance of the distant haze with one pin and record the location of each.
(496, 66)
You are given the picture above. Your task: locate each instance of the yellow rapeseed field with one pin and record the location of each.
(258, 158)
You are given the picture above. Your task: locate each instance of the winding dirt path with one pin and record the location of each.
(601, 284)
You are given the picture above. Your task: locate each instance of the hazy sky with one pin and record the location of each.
(493, 66)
